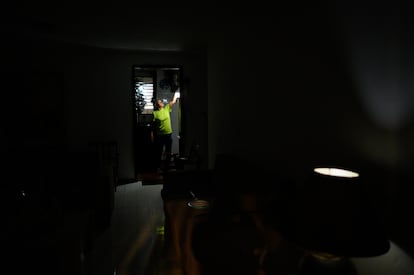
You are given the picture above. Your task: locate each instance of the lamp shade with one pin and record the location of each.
(333, 215)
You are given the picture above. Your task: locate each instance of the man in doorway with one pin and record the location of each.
(161, 134)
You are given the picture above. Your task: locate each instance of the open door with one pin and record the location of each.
(149, 84)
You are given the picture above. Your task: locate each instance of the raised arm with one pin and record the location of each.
(174, 99)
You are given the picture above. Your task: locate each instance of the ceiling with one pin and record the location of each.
(164, 26)
(115, 27)
(161, 26)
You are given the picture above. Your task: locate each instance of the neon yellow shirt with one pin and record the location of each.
(162, 118)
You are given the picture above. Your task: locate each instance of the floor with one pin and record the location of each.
(135, 243)
(132, 245)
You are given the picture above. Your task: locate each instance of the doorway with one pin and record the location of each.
(152, 82)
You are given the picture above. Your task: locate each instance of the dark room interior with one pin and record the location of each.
(267, 94)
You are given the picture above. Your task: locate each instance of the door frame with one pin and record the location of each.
(137, 150)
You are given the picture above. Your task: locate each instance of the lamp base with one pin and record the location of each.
(325, 264)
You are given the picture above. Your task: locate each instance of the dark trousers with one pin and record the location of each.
(163, 142)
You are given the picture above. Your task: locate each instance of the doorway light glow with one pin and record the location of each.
(336, 172)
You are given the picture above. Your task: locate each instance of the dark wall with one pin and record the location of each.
(319, 86)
